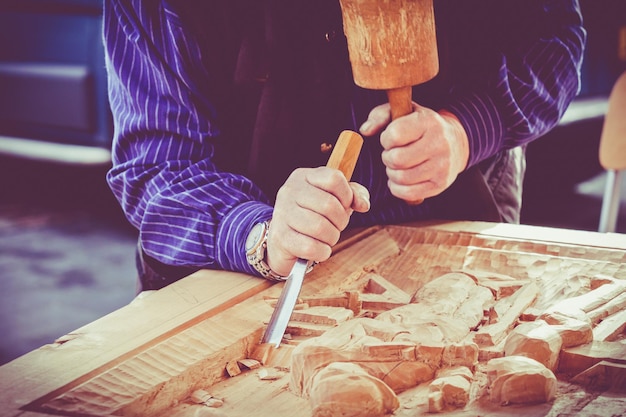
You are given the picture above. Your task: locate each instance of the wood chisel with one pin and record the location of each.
(344, 157)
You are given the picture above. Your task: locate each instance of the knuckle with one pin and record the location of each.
(393, 133)
(336, 177)
(342, 226)
(297, 174)
(315, 251)
(317, 226)
(405, 177)
(327, 205)
(391, 159)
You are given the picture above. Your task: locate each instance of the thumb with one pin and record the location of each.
(360, 199)
(377, 119)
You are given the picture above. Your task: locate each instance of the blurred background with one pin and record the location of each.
(66, 251)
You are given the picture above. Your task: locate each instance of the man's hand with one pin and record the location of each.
(424, 151)
(312, 208)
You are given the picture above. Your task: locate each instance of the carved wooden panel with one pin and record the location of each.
(149, 357)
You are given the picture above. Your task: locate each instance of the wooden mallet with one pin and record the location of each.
(392, 46)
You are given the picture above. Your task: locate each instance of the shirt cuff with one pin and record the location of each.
(480, 117)
(233, 231)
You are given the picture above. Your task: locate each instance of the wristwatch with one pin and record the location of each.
(256, 247)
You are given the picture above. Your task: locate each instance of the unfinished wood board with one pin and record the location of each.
(153, 358)
(127, 334)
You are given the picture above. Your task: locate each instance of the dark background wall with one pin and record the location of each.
(52, 74)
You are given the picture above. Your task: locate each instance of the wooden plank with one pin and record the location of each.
(120, 334)
(95, 351)
(194, 327)
(246, 395)
(152, 380)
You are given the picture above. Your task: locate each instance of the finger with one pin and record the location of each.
(407, 129)
(407, 177)
(378, 118)
(317, 227)
(304, 202)
(333, 182)
(282, 251)
(313, 212)
(426, 180)
(361, 199)
(413, 192)
(405, 157)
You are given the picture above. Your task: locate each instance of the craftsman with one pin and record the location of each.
(224, 112)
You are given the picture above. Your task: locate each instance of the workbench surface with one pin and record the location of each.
(149, 356)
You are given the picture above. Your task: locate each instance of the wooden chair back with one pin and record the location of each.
(613, 139)
(612, 154)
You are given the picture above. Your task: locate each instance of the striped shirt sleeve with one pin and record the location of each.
(532, 86)
(188, 212)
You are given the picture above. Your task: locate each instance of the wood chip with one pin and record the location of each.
(214, 402)
(200, 396)
(232, 368)
(270, 374)
(249, 363)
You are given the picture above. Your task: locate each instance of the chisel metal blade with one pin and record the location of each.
(286, 303)
(344, 157)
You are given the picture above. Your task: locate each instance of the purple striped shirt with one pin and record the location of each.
(190, 213)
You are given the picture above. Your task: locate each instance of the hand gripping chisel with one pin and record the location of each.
(344, 157)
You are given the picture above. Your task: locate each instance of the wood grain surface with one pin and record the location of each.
(150, 356)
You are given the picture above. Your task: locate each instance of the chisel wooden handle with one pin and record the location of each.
(346, 153)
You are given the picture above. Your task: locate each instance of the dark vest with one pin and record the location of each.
(282, 85)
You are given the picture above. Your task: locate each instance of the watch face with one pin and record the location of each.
(255, 235)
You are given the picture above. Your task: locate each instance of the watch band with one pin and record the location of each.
(256, 257)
